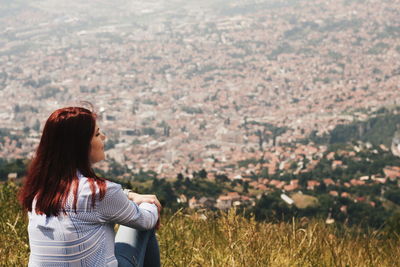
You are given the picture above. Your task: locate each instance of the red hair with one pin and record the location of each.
(63, 150)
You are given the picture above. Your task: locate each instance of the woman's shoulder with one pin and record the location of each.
(85, 193)
(85, 185)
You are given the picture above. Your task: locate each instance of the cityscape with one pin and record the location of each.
(235, 88)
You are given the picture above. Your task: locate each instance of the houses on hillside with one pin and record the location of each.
(223, 202)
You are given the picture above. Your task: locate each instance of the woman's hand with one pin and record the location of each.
(139, 199)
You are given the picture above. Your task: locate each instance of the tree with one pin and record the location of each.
(179, 177)
(270, 207)
(303, 179)
(148, 131)
(179, 181)
(26, 130)
(187, 183)
(221, 178)
(36, 126)
(202, 174)
(321, 188)
(393, 195)
(245, 187)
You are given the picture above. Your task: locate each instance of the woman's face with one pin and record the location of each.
(97, 146)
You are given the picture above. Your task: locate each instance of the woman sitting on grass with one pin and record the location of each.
(72, 211)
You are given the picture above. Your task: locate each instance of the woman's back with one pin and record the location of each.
(85, 238)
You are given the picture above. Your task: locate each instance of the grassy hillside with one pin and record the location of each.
(378, 129)
(230, 240)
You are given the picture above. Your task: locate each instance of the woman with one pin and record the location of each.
(72, 211)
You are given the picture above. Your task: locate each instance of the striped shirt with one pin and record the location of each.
(85, 238)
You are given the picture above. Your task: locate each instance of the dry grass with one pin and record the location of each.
(230, 240)
(14, 247)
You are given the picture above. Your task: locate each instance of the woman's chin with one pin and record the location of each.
(92, 162)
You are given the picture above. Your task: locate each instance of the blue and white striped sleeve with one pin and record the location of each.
(117, 208)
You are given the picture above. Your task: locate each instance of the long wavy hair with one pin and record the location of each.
(63, 150)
